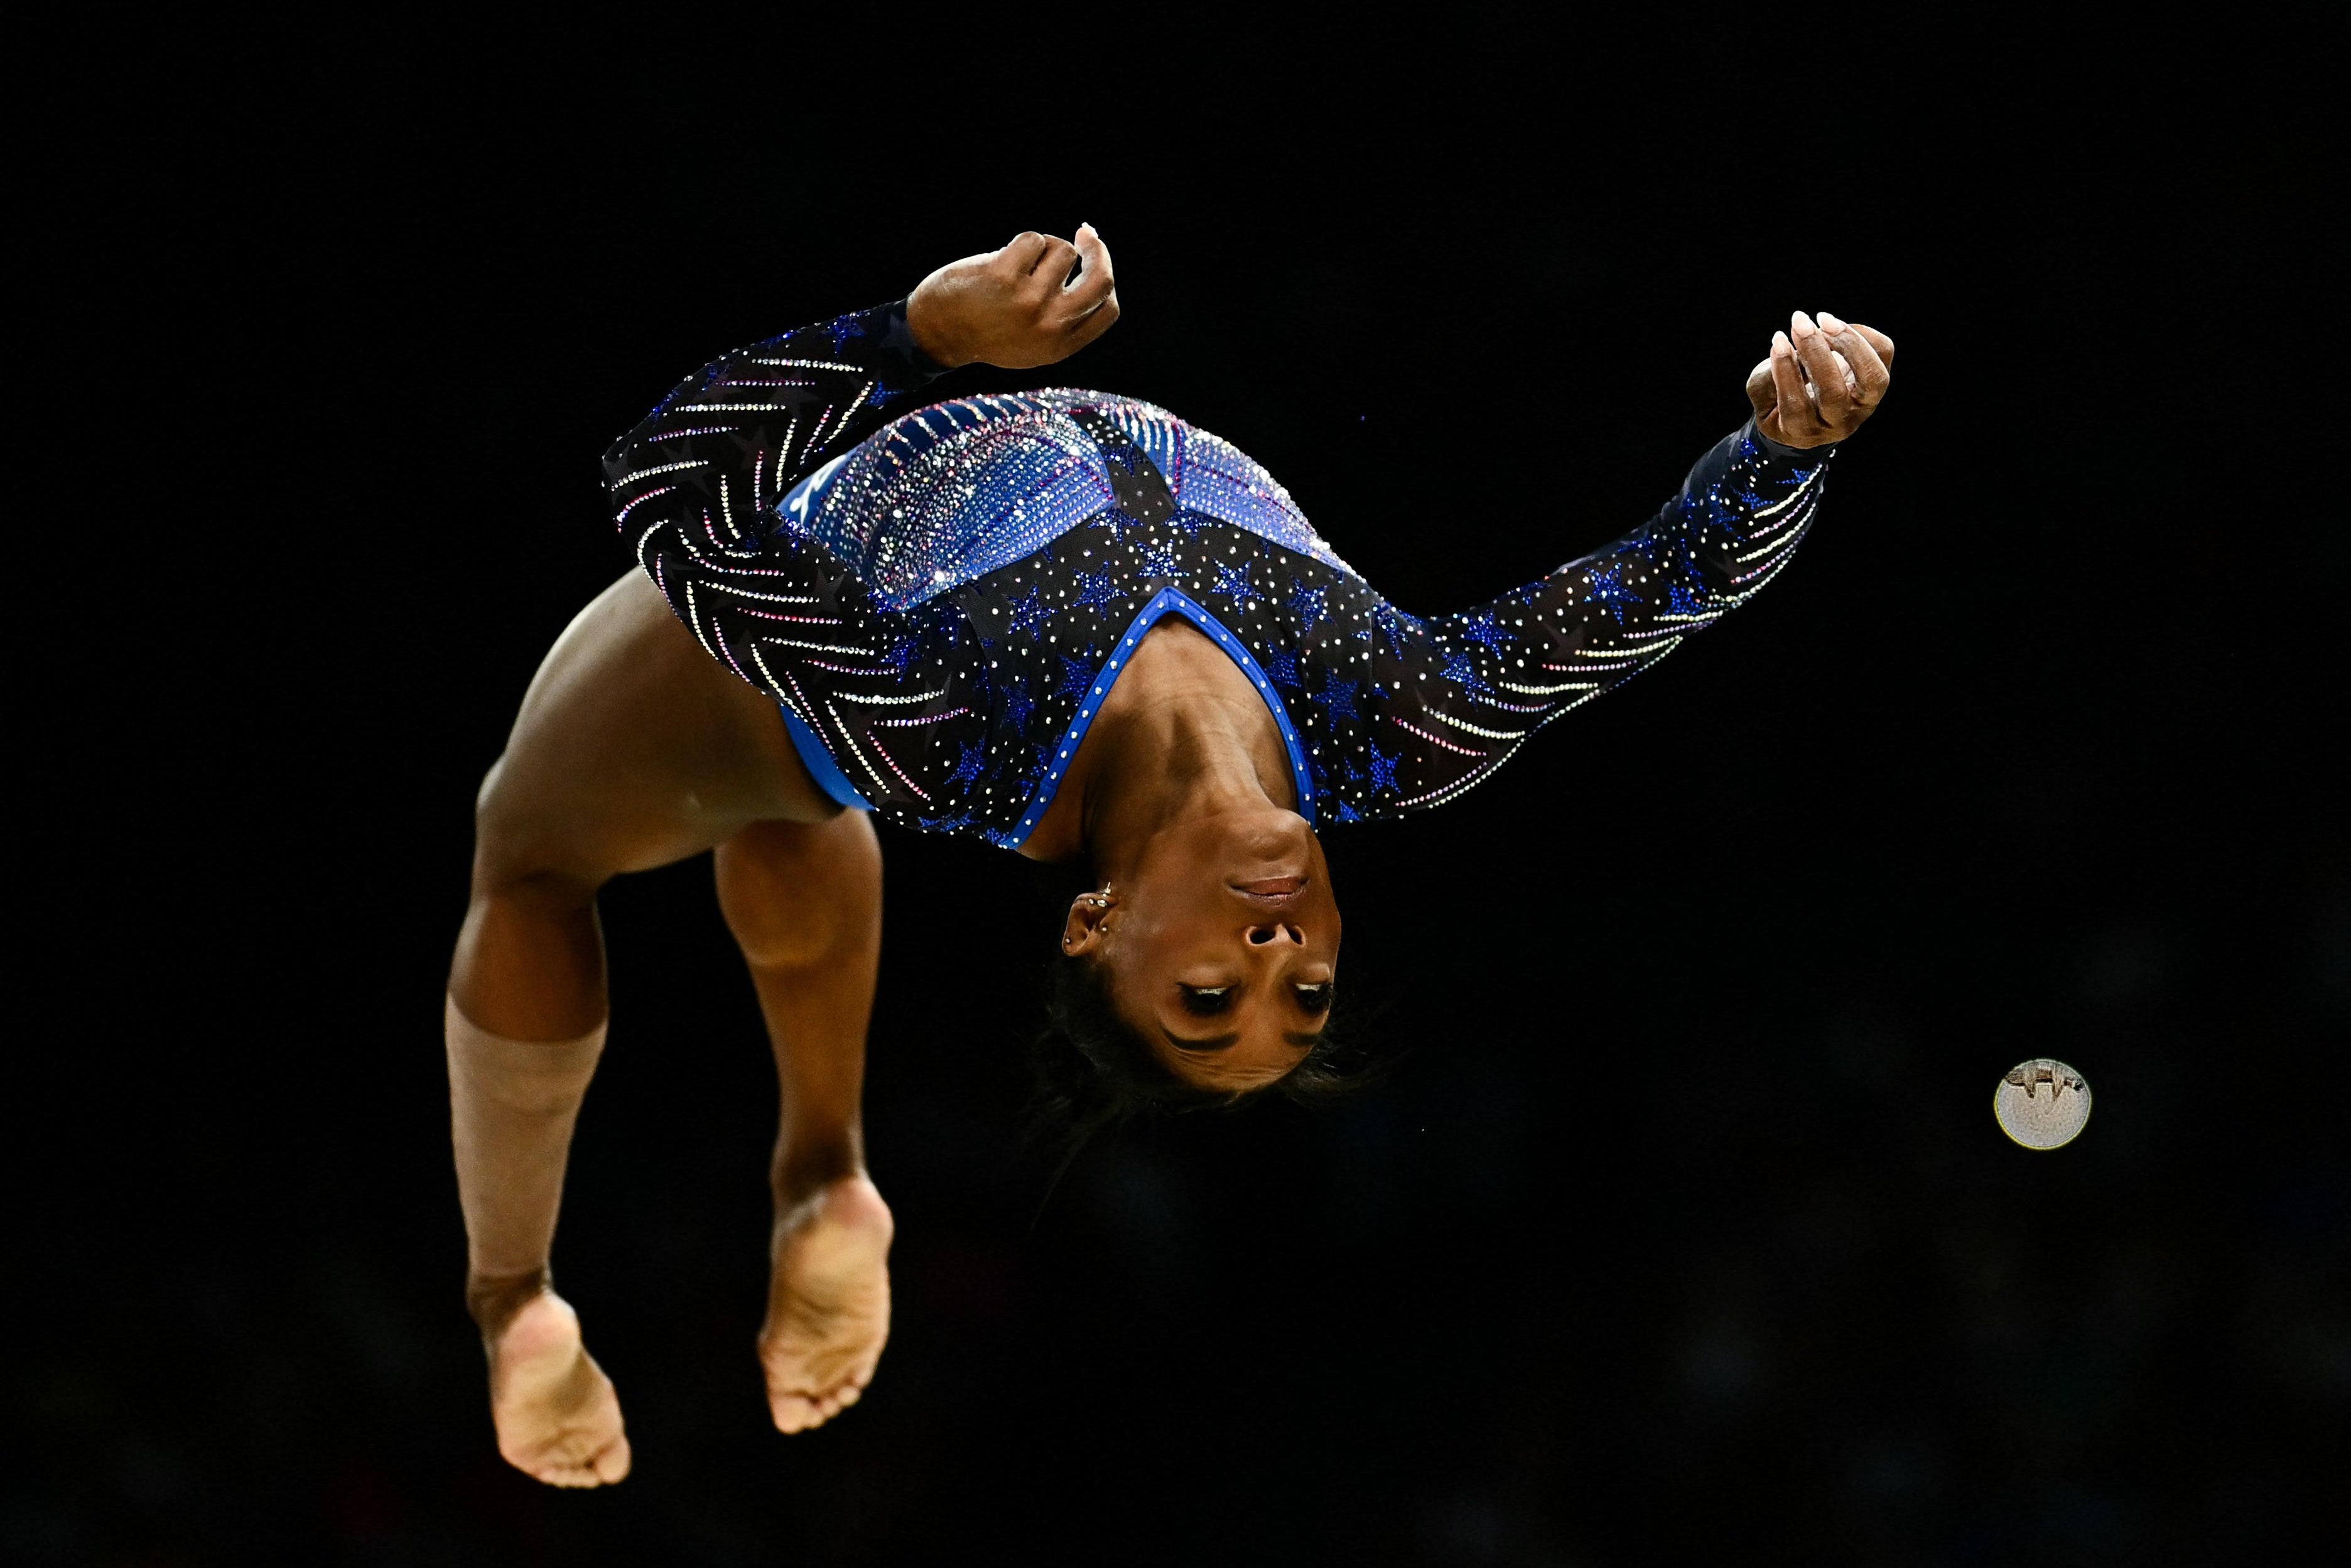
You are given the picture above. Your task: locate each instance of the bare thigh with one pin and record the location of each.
(634, 748)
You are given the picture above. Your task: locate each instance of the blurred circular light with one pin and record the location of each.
(2042, 1103)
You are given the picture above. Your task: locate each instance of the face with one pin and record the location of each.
(1221, 947)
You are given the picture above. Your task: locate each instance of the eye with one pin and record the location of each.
(1314, 999)
(1206, 1001)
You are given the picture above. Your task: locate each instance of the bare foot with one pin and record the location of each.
(828, 1305)
(558, 1420)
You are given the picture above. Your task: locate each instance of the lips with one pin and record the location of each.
(1271, 889)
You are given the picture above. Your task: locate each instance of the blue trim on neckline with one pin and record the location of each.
(819, 761)
(1167, 602)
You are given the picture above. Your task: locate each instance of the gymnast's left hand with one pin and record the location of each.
(1036, 300)
(1820, 385)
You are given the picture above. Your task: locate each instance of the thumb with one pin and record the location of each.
(1093, 257)
(1759, 390)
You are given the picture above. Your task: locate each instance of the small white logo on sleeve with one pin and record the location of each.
(2042, 1103)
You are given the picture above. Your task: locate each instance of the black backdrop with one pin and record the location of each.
(1684, 1233)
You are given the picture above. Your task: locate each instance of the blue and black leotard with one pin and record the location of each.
(940, 600)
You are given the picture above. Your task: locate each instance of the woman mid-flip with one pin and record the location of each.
(1065, 622)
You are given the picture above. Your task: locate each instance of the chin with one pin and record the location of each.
(1271, 845)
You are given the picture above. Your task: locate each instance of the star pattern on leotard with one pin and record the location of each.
(1117, 524)
(971, 758)
(1017, 706)
(1395, 622)
(1232, 580)
(1486, 631)
(1281, 664)
(842, 328)
(1461, 668)
(1338, 695)
(1157, 557)
(1095, 588)
(1610, 592)
(1030, 612)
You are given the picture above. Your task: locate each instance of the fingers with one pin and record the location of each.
(1020, 254)
(1823, 379)
(1819, 359)
(1796, 416)
(1053, 262)
(1036, 300)
(1859, 352)
(1876, 339)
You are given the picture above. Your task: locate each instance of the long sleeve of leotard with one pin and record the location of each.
(693, 489)
(1456, 694)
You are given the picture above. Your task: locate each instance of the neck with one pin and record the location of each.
(1168, 765)
(1182, 737)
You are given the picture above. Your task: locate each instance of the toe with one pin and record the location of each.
(792, 1413)
(613, 1464)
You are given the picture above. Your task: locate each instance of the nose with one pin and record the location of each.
(1261, 935)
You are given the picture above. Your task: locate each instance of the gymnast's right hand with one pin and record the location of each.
(1018, 306)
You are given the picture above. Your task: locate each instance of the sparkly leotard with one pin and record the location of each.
(940, 601)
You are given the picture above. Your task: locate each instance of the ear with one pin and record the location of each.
(1082, 933)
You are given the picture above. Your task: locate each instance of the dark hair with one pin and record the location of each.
(1093, 1070)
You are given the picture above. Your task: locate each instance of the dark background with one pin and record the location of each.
(1683, 1234)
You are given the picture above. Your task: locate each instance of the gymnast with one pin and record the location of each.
(1065, 622)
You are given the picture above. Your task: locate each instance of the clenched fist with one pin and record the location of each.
(1820, 387)
(1011, 307)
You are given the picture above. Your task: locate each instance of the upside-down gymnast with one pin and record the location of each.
(1065, 622)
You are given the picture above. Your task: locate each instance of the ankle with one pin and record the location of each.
(805, 1167)
(493, 1300)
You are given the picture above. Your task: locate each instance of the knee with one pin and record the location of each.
(487, 790)
(520, 854)
(495, 818)
(796, 895)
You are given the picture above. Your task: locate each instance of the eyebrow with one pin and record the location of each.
(1226, 1042)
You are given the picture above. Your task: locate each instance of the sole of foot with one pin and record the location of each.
(558, 1417)
(828, 1303)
